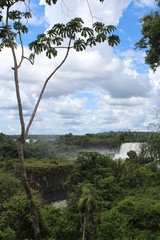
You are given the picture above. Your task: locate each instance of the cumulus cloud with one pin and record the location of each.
(94, 91)
(122, 94)
(110, 12)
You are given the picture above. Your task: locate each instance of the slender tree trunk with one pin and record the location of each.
(84, 227)
(28, 191)
(22, 139)
(25, 130)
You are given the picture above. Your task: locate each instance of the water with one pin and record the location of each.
(126, 147)
(60, 204)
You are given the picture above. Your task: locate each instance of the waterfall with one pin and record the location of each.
(126, 147)
(60, 204)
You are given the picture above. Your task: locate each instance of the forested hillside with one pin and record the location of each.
(106, 199)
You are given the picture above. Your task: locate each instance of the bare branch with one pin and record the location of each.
(44, 87)
(29, 60)
(64, 47)
(22, 55)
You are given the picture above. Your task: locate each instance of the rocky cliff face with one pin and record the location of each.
(49, 181)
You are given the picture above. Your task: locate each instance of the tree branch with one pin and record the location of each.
(22, 55)
(29, 60)
(64, 47)
(43, 89)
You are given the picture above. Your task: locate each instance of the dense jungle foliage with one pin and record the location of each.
(106, 199)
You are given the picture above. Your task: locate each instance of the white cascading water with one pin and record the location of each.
(60, 204)
(126, 147)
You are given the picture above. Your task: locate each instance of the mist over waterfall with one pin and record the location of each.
(126, 147)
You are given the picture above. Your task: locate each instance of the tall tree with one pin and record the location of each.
(78, 38)
(150, 40)
(86, 205)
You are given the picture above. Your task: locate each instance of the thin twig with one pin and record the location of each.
(90, 10)
(30, 10)
(29, 60)
(92, 16)
(65, 5)
(64, 47)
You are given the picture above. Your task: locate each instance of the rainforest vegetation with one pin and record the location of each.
(106, 198)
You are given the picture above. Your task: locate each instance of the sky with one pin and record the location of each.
(102, 89)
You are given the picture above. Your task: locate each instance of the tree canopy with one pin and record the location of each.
(150, 38)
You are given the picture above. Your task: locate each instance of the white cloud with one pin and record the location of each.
(145, 3)
(96, 90)
(109, 12)
(120, 97)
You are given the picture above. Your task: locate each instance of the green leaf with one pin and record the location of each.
(3, 32)
(73, 29)
(113, 40)
(57, 41)
(17, 26)
(27, 15)
(6, 43)
(57, 29)
(87, 32)
(99, 27)
(74, 26)
(14, 15)
(49, 2)
(110, 28)
(51, 52)
(101, 37)
(24, 29)
(91, 41)
(32, 56)
(150, 39)
(79, 45)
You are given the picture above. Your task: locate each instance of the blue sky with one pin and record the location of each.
(101, 89)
